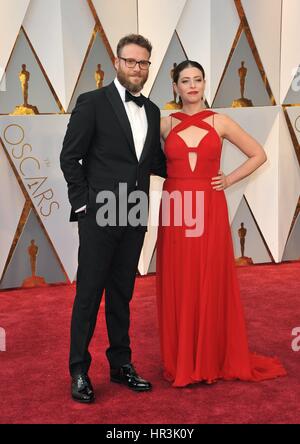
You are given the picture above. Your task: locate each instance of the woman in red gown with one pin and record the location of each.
(201, 321)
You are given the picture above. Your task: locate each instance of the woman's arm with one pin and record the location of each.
(231, 131)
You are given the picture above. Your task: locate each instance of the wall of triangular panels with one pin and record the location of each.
(62, 42)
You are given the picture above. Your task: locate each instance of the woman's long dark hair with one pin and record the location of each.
(186, 64)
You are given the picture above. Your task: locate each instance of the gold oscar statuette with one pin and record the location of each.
(242, 102)
(99, 76)
(243, 260)
(25, 108)
(173, 104)
(33, 280)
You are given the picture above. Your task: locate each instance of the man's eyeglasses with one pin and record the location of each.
(131, 63)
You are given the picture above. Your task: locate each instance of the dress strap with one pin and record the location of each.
(193, 119)
(203, 114)
(178, 116)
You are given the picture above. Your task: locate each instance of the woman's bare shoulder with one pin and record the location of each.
(222, 117)
(223, 122)
(165, 120)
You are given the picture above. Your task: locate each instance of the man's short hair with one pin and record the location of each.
(136, 39)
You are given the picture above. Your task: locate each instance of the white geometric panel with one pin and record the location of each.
(194, 31)
(12, 202)
(47, 265)
(162, 90)
(294, 116)
(288, 183)
(290, 44)
(230, 87)
(258, 123)
(60, 32)
(264, 18)
(118, 18)
(274, 189)
(152, 265)
(207, 30)
(293, 95)
(11, 17)
(156, 184)
(254, 244)
(292, 248)
(34, 146)
(86, 82)
(231, 159)
(262, 192)
(224, 26)
(157, 21)
(39, 93)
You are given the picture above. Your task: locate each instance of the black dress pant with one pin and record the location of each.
(107, 260)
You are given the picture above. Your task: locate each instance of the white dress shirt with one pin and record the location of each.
(137, 118)
(138, 122)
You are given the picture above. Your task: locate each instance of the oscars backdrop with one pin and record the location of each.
(53, 51)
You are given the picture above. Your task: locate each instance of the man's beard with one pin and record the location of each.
(132, 87)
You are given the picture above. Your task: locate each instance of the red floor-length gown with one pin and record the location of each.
(201, 322)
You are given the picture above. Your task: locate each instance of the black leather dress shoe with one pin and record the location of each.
(128, 376)
(82, 389)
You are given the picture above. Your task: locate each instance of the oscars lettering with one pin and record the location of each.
(37, 185)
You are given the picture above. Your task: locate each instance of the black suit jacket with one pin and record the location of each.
(99, 135)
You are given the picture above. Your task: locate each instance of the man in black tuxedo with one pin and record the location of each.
(113, 138)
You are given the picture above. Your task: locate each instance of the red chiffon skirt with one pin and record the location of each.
(201, 321)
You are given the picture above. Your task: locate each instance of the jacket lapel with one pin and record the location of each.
(147, 143)
(119, 109)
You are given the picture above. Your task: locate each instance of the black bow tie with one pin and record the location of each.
(138, 100)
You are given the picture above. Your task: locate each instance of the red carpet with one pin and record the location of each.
(34, 370)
